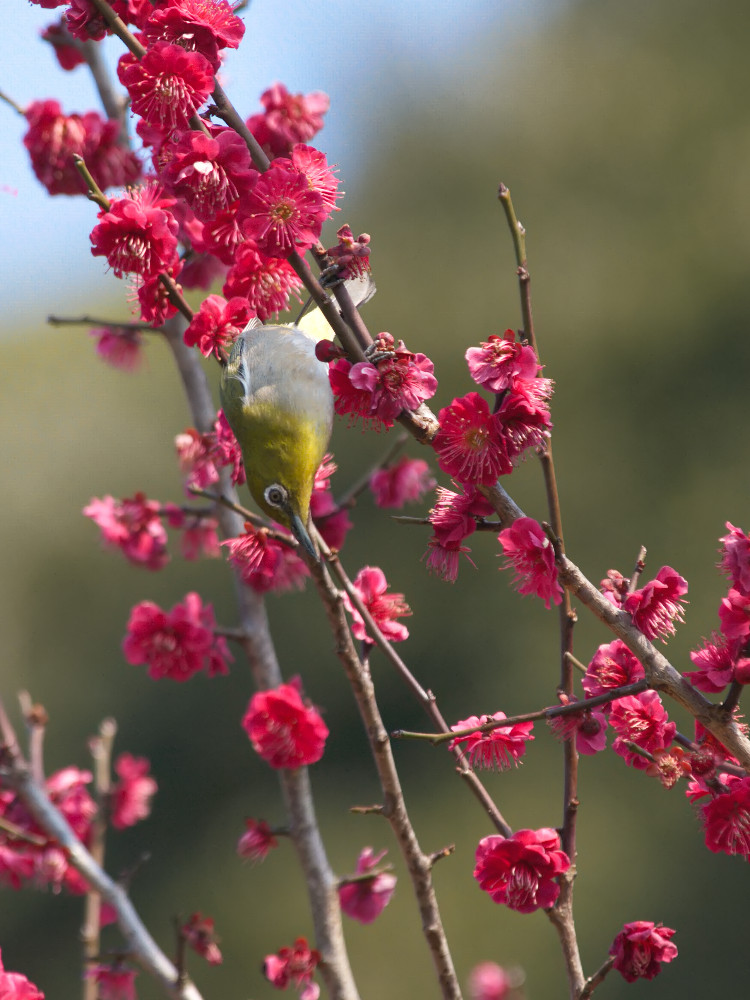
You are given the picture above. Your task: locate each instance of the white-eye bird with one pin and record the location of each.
(278, 401)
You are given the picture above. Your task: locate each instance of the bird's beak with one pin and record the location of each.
(300, 533)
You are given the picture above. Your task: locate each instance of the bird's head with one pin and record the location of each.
(287, 505)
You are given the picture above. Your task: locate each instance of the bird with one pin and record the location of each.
(278, 401)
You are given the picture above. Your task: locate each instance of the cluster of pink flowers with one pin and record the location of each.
(294, 966)
(28, 854)
(529, 552)
(285, 729)
(372, 589)
(176, 644)
(198, 932)
(725, 657)
(206, 199)
(16, 986)
(499, 748)
(377, 391)
(135, 524)
(641, 948)
(53, 138)
(264, 562)
(406, 481)
(365, 897)
(217, 324)
(476, 445)
(521, 871)
(453, 518)
(113, 982)
(32, 854)
(201, 456)
(655, 607)
(639, 721)
(257, 840)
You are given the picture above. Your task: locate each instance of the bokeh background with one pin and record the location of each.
(623, 132)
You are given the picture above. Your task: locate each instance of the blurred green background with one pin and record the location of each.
(624, 135)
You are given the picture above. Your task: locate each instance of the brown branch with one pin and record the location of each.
(640, 565)
(94, 192)
(12, 104)
(552, 712)
(17, 775)
(567, 617)
(96, 321)
(418, 863)
(118, 27)
(660, 673)
(425, 698)
(598, 977)
(114, 103)
(518, 234)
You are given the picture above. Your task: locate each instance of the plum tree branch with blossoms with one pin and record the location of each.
(244, 202)
(16, 775)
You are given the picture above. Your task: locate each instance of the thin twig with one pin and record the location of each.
(35, 718)
(96, 321)
(640, 565)
(598, 977)
(12, 104)
(94, 192)
(101, 750)
(567, 619)
(553, 712)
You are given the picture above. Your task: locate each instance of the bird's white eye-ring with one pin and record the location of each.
(276, 496)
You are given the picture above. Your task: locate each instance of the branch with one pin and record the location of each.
(598, 977)
(12, 104)
(114, 104)
(426, 698)
(96, 321)
(261, 655)
(17, 776)
(552, 712)
(418, 863)
(660, 673)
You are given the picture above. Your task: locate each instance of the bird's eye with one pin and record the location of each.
(275, 496)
